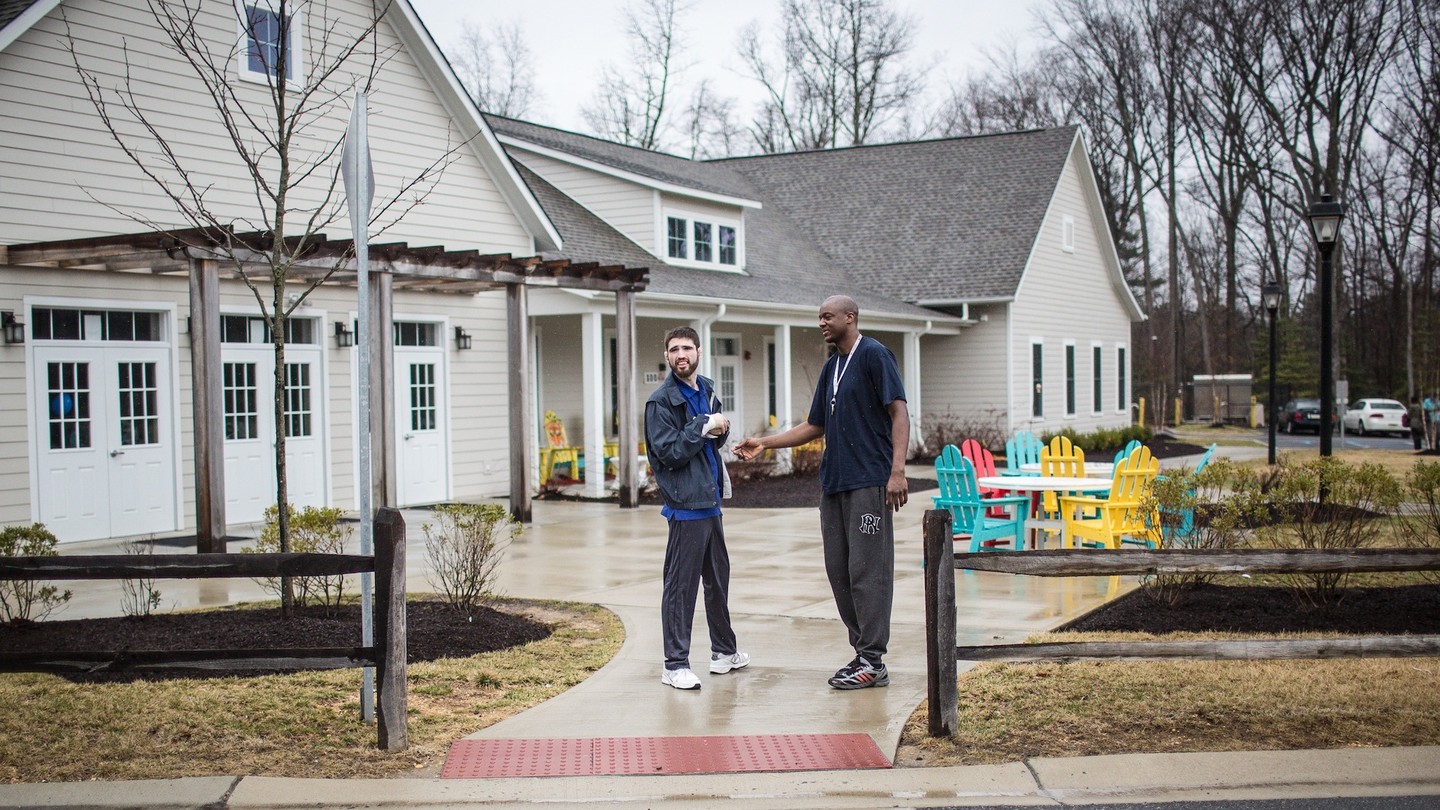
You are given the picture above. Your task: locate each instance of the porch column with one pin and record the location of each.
(592, 352)
(382, 389)
(784, 392)
(208, 406)
(626, 464)
(517, 322)
(912, 387)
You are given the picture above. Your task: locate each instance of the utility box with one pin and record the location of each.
(1221, 398)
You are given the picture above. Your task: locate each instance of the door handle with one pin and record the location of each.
(409, 436)
(114, 453)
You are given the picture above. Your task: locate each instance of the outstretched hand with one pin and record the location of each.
(748, 448)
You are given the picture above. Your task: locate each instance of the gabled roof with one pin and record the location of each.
(668, 172)
(953, 219)
(16, 16)
(783, 270)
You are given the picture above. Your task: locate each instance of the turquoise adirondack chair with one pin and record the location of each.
(1022, 448)
(1178, 535)
(1130, 447)
(960, 496)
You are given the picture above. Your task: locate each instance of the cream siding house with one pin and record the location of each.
(965, 255)
(96, 423)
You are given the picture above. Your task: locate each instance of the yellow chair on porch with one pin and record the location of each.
(559, 450)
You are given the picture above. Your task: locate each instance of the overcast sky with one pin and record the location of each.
(572, 38)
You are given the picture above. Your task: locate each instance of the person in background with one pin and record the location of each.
(1432, 422)
(684, 431)
(859, 407)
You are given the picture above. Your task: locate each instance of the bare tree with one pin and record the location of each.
(709, 125)
(1011, 94)
(631, 104)
(273, 127)
(496, 68)
(840, 78)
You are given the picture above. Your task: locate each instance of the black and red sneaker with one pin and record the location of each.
(860, 674)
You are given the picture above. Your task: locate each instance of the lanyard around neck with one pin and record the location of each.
(840, 371)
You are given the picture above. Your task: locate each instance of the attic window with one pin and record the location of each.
(702, 241)
(267, 35)
(1067, 234)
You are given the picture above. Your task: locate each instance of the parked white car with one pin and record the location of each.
(1377, 416)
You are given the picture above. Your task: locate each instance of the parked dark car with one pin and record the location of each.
(1302, 414)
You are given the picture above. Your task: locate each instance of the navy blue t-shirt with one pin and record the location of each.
(858, 450)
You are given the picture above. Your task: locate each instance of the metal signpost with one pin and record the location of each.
(359, 179)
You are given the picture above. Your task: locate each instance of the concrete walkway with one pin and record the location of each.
(785, 619)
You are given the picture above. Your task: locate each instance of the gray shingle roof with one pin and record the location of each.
(679, 171)
(783, 267)
(951, 219)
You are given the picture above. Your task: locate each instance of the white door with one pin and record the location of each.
(248, 384)
(420, 424)
(106, 451)
(725, 361)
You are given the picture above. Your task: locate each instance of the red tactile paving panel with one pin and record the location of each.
(480, 759)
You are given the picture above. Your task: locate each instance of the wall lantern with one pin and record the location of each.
(462, 338)
(14, 329)
(344, 338)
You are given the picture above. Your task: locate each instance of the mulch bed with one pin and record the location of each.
(1270, 609)
(434, 630)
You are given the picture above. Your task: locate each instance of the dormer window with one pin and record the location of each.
(701, 241)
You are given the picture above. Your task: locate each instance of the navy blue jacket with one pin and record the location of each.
(675, 447)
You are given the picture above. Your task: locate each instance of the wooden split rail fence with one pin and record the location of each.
(387, 654)
(941, 561)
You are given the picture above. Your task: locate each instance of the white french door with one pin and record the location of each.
(248, 389)
(106, 443)
(420, 426)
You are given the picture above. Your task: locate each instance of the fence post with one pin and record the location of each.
(941, 689)
(390, 646)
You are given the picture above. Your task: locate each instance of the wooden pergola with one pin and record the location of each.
(207, 255)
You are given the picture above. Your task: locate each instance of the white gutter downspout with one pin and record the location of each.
(912, 382)
(702, 327)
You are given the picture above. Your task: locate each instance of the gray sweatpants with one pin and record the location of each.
(858, 531)
(695, 553)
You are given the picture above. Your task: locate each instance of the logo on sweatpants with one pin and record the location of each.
(869, 524)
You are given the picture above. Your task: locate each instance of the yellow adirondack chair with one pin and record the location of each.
(1060, 458)
(559, 451)
(1121, 517)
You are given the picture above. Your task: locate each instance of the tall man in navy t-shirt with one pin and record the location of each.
(684, 431)
(859, 407)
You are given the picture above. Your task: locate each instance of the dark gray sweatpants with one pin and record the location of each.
(858, 531)
(695, 553)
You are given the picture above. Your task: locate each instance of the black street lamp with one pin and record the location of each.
(1270, 295)
(1325, 216)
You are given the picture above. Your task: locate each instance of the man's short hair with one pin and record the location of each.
(682, 332)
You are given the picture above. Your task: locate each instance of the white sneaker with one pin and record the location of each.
(721, 664)
(680, 679)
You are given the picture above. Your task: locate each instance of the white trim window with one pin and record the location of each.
(267, 34)
(1122, 380)
(1037, 378)
(703, 241)
(1097, 363)
(1069, 378)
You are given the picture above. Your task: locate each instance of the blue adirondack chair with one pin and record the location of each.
(960, 496)
(1022, 448)
(1178, 534)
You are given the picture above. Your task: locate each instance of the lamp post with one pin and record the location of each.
(1270, 295)
(1325, 216)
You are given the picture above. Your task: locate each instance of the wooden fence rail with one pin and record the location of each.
(941, 561)
(387, 655)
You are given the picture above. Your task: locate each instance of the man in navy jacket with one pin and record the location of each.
(684, 432)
